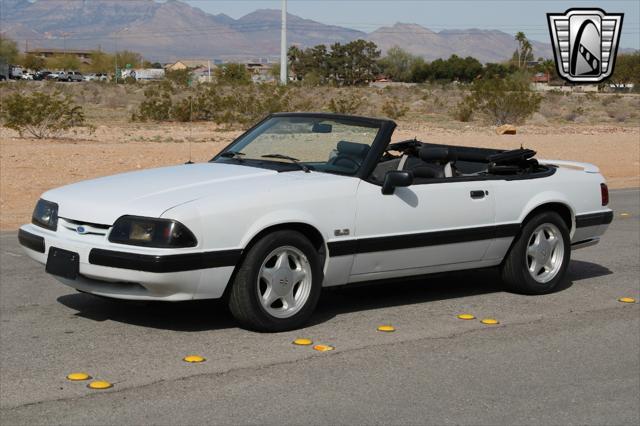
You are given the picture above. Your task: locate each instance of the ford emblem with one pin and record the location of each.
(81, 230)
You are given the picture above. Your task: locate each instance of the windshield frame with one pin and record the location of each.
(378, 145)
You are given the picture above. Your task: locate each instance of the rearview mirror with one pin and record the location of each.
(321, 128)
(394, 179)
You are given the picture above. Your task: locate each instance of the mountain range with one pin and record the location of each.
(171, 30)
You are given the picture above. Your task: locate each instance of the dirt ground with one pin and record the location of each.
(29, 167)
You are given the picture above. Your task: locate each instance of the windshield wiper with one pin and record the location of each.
(232, 154)
(286, 157)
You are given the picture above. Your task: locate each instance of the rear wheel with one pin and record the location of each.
(278, 284)
(538, 260)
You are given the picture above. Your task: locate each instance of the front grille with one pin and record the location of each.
(87, 228)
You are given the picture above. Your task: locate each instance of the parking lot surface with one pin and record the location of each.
(571, 357)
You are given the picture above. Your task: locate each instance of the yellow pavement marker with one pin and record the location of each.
(490, 321)
(99, 384)
(387, 328)
(466, 317)
(323, 348)
(624, 215)
(75, 377)
(193, 358)
(627, 300)
(303, 342)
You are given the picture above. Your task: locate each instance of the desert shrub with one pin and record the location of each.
(574, 114)
(42, 115)
(344, 104)
(503, 101)
(157, 105)
(590, 96)
(233, 73)
(183, 110)
(608, 100)
(394, 109)
(463, 111)
(181, 78)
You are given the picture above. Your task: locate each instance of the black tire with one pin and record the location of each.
(243, 297)
(514, 270)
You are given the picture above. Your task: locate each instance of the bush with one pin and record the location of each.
(181, 78)
(222, 104)
(463, 111)
(42, 115)
(157, 105)
(344, 105)
(504, 101)
(393, 109)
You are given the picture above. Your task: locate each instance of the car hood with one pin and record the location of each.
(148, 192)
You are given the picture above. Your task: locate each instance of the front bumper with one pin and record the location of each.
(135, 273)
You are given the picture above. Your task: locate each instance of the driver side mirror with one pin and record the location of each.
(394, 179)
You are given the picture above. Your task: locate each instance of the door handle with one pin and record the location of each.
(478, 194)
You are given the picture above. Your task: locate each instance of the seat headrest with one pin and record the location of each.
(440, 155)
(352, 148)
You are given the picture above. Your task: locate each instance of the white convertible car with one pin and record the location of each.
(304, 201)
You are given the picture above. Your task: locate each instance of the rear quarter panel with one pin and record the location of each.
(576, 189)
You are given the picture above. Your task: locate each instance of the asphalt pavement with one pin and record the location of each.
(571, 357)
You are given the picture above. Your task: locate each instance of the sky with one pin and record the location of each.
(509, 16)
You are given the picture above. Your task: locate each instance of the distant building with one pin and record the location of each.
(83, 55)
(260, 72)
(188, 64)
(541, 77)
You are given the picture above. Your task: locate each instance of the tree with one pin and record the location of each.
(524, 52)
(233, 73)
(33, 62)
(497, 70)
(627, 69)
(354, 63)
(398, 64)
(128, 58)
(455, 68)
(101, 62)
(350, 64)
(64, 62)
(8, 49)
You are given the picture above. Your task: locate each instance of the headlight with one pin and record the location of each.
(151, 232)
(45, 215)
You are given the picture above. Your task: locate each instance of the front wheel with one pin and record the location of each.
(278, 284)
(538, 260)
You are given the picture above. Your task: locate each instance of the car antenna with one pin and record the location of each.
(190, 128)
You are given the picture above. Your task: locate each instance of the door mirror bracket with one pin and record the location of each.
(394, 179)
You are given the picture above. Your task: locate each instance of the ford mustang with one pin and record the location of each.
(303, 201)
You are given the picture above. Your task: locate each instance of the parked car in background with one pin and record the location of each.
(70, 76)
(27, 76)
(15, 72)
(41, 75)
(96, 77)
(52, 75)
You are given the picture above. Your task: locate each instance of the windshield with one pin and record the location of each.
(320, 144)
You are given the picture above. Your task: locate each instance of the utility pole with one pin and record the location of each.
(116, 57)
(284, 74)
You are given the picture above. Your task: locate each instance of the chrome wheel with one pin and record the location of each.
(545, 253)
(284, 282)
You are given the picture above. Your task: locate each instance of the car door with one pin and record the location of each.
(421, 227)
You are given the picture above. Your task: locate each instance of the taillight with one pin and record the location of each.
(604, 192)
